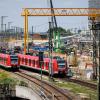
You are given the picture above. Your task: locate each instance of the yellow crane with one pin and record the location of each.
(90, 12)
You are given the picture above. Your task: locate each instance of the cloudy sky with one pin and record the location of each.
(13, 9)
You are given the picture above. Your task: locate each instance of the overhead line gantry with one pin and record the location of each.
(93, 12)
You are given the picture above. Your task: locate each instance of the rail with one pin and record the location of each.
(82, 82)
(48, 89)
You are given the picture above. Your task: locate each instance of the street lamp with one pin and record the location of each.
(2, 19)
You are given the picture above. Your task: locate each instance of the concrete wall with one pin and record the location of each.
(25, 92)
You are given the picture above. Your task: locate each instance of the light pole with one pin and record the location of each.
(4, 34)
(32, 33)
(13, 29)
(2, 20)
(50, 51)
(5, 27)
(9, 23)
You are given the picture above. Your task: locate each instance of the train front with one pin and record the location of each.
(62, 66)
(14, 62)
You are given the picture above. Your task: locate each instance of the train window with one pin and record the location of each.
(22, 60)
(29, 61)
(33, 63)
(37, 63)
(61, 63)
(57, 57)
(14, 59)
(0, 59)
(26, 61)
(4, 60)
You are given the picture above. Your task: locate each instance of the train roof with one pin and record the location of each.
(35, 57)
(28, 56)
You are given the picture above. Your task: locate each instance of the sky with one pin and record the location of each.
(13, 9)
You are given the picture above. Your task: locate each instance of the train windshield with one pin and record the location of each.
(14, 59)
(61, 63)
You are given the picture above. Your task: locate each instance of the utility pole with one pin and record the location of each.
(94, 31)
(9, 23)
(32, 33)
(4, 33)
(97, 26)
(2, 20)
(99, 66)
(50, 51)
(5, 27)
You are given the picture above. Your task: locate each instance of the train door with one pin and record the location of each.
(0, 60)
(26, 61)
(37, 64)
(22, 60)
(46, 65)
(54, 66)
(5, 61)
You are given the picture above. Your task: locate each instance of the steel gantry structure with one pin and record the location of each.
(91, 12)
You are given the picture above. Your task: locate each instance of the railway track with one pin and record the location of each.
(82, 82)
(48, 89)
(77, 81)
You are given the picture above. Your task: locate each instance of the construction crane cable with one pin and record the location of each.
(53, 17)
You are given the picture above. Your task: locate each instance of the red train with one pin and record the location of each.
(15, 61)
(9, 61)
(58, 66)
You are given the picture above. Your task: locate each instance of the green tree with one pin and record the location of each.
(62, 31)
(68, 33)
(59, 29)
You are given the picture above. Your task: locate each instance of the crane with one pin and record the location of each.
(56, 34)
(91, 12)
